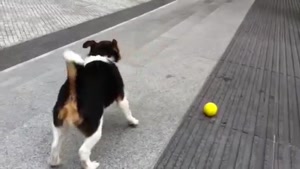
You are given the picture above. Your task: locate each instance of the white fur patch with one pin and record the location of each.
(96, 58)
(124, 105)
(71, 56)
(56, 146)
(88, 145)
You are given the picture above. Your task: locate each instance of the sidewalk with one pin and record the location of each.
(24, 20)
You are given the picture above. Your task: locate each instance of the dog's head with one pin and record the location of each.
(104, 48)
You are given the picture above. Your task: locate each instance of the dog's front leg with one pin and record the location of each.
(123, 103)
(87, 146)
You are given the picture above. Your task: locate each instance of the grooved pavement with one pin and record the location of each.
(257, 87)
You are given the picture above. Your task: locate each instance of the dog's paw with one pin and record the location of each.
(92, 165)
(133, 122)
(54, 161)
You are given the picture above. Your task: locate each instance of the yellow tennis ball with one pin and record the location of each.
(210, 109)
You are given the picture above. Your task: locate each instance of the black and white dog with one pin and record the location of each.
(92, 84)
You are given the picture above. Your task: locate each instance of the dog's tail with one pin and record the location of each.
(70, 113)
(72, 59)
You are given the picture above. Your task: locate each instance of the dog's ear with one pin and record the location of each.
(114, 43)
(88, 43)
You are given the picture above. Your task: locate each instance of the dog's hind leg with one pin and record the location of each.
(123, 103)
(87, 146)
(58, 134)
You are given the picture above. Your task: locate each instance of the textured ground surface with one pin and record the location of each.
(22, 20)
(167, 56)
(257, 87)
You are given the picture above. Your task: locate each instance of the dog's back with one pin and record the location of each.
(101, 82)
(87, 91)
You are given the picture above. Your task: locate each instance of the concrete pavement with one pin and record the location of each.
(167, 56)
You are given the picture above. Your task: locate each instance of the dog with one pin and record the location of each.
(92, 84)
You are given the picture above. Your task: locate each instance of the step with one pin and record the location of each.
(133, 36)
(170, 37)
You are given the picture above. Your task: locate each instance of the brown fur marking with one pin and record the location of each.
(69, 113)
